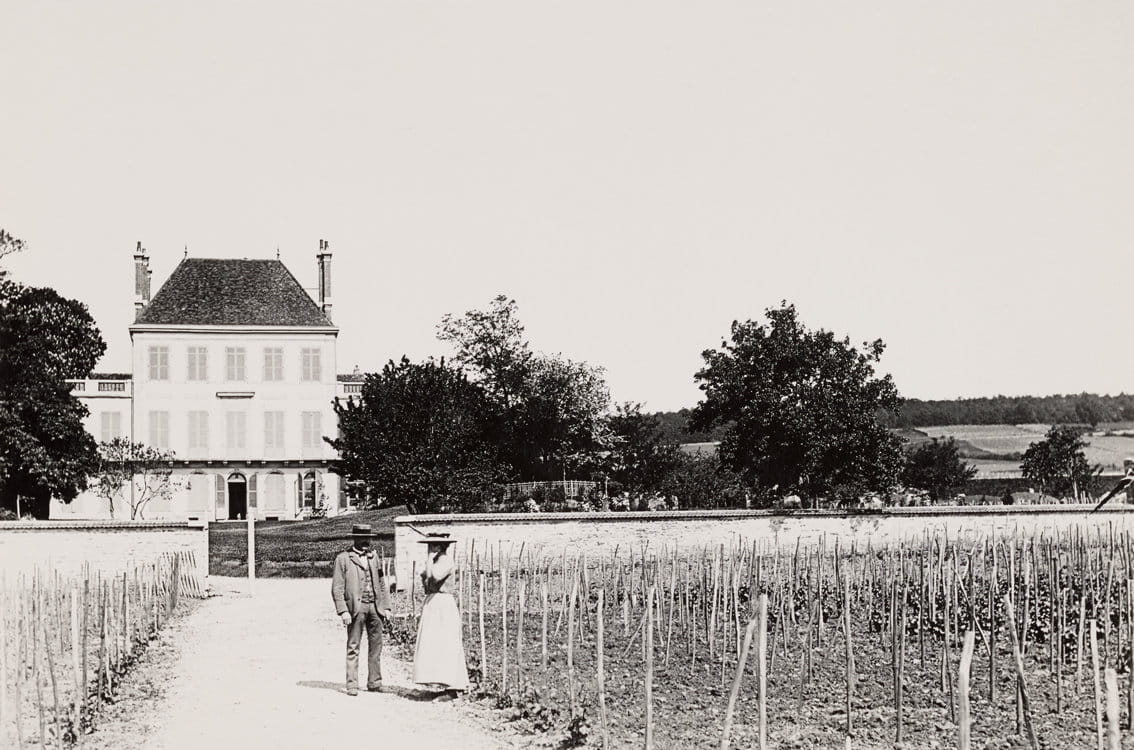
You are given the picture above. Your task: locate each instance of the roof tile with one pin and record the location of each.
(232, 292)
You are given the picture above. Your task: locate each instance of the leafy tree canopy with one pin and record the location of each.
(548, 410)
(936, 467)
(1059, 464)
(640, 457)
(45, 451)
(802, 409)
(420, 434)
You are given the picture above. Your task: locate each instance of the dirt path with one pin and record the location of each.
(267, 671)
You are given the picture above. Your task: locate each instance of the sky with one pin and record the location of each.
(955, 178)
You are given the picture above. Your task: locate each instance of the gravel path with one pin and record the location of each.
(266, 671)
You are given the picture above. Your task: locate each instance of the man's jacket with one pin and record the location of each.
(349, 577)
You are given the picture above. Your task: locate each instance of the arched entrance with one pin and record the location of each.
(237, 496)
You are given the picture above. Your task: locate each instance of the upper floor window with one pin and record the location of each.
(273, 363)
(111, 424)
(198, 431)
(234, 363)
(159, 363)
(159, 430)
(312, 364)
(312, 430)
(235, 426)
(198, 363)
(273, 433)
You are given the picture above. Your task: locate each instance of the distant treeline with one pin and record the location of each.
(1083, 408)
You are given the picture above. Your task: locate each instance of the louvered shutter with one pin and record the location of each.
(252, 506)
(220, 514)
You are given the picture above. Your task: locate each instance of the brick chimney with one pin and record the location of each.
(324, 258)
(142, 275)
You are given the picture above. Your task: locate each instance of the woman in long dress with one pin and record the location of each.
(439, 657)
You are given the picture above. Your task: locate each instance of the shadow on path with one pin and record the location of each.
(399, 691)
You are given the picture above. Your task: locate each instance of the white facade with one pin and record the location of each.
(244, 409)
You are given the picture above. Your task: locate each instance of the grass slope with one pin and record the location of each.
(294, 549)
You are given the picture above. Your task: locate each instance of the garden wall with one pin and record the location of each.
(599, 533)
(106, 545)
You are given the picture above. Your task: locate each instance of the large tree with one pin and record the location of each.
(1059, 464)
(45, 451)
(640, 456)
(936, 467)
(549, 410)
(801, 408)
(419, 435)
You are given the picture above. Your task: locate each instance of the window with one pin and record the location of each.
(198, 363)
(198, 432)
(273, 433)
(235, 428)
(273, 363)
(312, 369)
(111, 424)
(200, 488)
(310, 489)
(274, 493)
(234, 363)
(159, 430)
(159, 363)
(312, 431)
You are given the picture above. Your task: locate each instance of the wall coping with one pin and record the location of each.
(692, 515)
(78, 525)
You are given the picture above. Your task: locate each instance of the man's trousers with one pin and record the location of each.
(366, 617)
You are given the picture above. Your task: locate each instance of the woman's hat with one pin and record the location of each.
(437, 538)
(362, 529)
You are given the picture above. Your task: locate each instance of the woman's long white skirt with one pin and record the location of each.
(439, 657)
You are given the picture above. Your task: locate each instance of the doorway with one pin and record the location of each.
(237, 497)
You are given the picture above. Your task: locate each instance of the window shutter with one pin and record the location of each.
(220, 497)
(252, 506)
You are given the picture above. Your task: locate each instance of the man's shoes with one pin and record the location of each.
(374, 688)
(352, 691)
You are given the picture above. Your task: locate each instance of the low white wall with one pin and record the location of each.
(595, 534)
(107, 546)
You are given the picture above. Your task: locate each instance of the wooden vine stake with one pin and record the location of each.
(964, 723)
(762, 670)
(1098, 684)
(520, 635)
(600, 674)
(727, 731)
(650, 668)
(847, 632)
(543, 631)
(571, 646)
(483, 648)
(1018, 658)
(1112, 733)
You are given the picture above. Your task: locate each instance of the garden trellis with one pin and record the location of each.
(67, 641)
(875, 645)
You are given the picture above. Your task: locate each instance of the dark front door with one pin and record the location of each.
(237, 500)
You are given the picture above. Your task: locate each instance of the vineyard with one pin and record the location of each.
(67, 642)
(747, 646)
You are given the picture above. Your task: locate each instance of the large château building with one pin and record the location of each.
(234, 371)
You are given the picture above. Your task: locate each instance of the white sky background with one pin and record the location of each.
(956, 178)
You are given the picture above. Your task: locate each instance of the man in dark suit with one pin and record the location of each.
(362, 600)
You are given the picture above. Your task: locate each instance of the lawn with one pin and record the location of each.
(294, 549)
